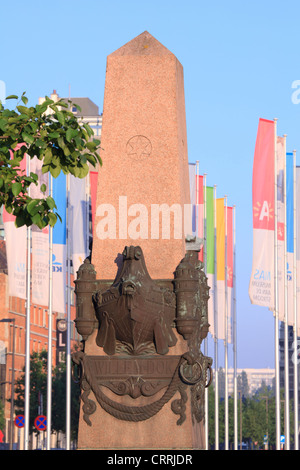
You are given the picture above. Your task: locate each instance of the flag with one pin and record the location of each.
(16, 248)
(290, 235)
(221, 267)
(230, 269)
(261, 287)
(40, 242)
(200, 210)
(210, 254)
(59, 257)
(78, 221)
(280, 223)
(197, 204)
(298, 245)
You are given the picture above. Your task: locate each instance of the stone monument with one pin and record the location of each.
(142, 300)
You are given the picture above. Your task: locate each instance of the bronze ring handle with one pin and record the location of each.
(188, 381)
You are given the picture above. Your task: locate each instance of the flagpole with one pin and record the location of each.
(87, 196)
(286, 326)
(277, 385)
(49, 363)
(27, 335)
(226, 335)
(205, 340)
(216, 328)
(197, 197)
(68, 347)
(235, 414)
(296, 424)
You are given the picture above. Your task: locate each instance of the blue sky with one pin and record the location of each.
(240, 60)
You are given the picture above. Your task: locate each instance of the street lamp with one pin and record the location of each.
(11, 320)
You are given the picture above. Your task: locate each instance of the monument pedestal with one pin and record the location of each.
(159, 432)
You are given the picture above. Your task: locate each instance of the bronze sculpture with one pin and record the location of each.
(136, 317)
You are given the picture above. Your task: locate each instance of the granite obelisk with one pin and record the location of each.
(145, 161)
(143, 187)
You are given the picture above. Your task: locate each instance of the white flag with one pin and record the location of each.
(78, 221)
(40, 243)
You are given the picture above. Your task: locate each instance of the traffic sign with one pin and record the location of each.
(282, 439)
(40, 423)
(20, 421)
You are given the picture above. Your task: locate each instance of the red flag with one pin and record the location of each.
(261, 288)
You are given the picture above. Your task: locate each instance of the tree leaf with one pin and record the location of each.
(12, 97)
(60, 117)
(16, 188)
(52, 219)
(51, 203)
(54, 171)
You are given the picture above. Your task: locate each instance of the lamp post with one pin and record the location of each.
(12, 404)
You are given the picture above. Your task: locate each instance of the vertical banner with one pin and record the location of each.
(197, 204)
(59, 257)
(290, 234)
(78, 225)
(16, 248)
(280, 223)
(298, 245)
(210, 254)
(230, 268)
(200, 211)
(93, 186)
(40, 242)
(261, 287)
(221, 267)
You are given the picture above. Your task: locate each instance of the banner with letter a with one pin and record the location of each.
(261, 287)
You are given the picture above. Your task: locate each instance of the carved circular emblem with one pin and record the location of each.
(138, 147)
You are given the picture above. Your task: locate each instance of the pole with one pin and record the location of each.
(12, 405)
(276, 320)
(27, 334)
(216, 328)
(68, 347)
(296, 424)
(286, 326)
(235, 413)
(49, 364)
(205, 340)
(226, 336)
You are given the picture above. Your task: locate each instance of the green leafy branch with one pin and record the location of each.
(53, 134)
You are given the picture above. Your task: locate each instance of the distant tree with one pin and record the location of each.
(59, 402)
(38, 389)
(242, 384)
(52, 133)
